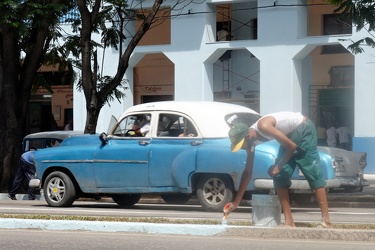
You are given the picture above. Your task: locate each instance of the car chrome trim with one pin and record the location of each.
(35, 183)
(296, 184)
(353, 182)
(96, 161)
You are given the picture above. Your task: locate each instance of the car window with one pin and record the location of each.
(53, 143)
(35, 144)
(173, 125)
(137, 125)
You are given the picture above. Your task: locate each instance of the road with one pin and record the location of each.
(36, 239)
(357, 215)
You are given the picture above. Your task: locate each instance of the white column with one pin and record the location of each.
(364, 93)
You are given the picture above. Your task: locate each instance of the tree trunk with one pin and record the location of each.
(2, 105)
(12, 101)
(16, 82)
(89, 78)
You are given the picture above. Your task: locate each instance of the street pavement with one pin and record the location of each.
(365, 198)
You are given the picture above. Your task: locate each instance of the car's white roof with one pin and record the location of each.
(209, 116)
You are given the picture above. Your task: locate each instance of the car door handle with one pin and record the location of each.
(143, 142)
(196, 143)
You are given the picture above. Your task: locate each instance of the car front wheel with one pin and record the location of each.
(59, 190)
(214, 191)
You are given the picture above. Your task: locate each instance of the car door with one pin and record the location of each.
(121, 165)
(173, 151)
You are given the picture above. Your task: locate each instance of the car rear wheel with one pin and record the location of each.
(214, 191)
(176, 198)
(126, 200)
(59, 190)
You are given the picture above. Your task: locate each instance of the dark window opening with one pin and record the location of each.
(334, 24)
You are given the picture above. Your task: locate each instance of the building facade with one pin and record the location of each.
(284, 55)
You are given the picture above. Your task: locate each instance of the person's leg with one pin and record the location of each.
(31, 193)
(309, 164)
(282, 182)
(321, 197)
(17, 181)
(283, 195)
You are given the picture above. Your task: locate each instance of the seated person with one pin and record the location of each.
(189, 131)
(141, 126)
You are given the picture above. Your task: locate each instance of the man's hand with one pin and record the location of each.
(273, 170)
(229, 207)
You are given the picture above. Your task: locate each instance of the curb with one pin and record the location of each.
(191, 229)
(106, 226)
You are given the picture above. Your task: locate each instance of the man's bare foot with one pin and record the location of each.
(290, 224)
(324, 225)
(286, 225)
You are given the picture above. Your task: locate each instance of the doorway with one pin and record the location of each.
(156, 98)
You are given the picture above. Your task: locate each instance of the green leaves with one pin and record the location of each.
(362, 13)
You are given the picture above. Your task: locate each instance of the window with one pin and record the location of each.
(134, 126)
(34, 144)
(335, 24)
(236, 21)
(223, 31)
(342, 75)
(255, 28)
(334, 49)
(160, 30)
(173, 125)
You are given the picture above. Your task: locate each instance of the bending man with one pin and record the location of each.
(26, 169)
(298, 139)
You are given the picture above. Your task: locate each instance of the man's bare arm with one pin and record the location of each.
(245, 179)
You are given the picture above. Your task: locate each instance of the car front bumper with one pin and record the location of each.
(353, 182)
(35, 183)
(296, 184)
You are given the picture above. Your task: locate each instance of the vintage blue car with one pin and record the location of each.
(175, 149)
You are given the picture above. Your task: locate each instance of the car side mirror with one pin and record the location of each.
(103, 138)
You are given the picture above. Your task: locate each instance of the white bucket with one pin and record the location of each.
(266, 210)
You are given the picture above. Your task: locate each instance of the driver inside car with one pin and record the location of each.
(141, 126)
